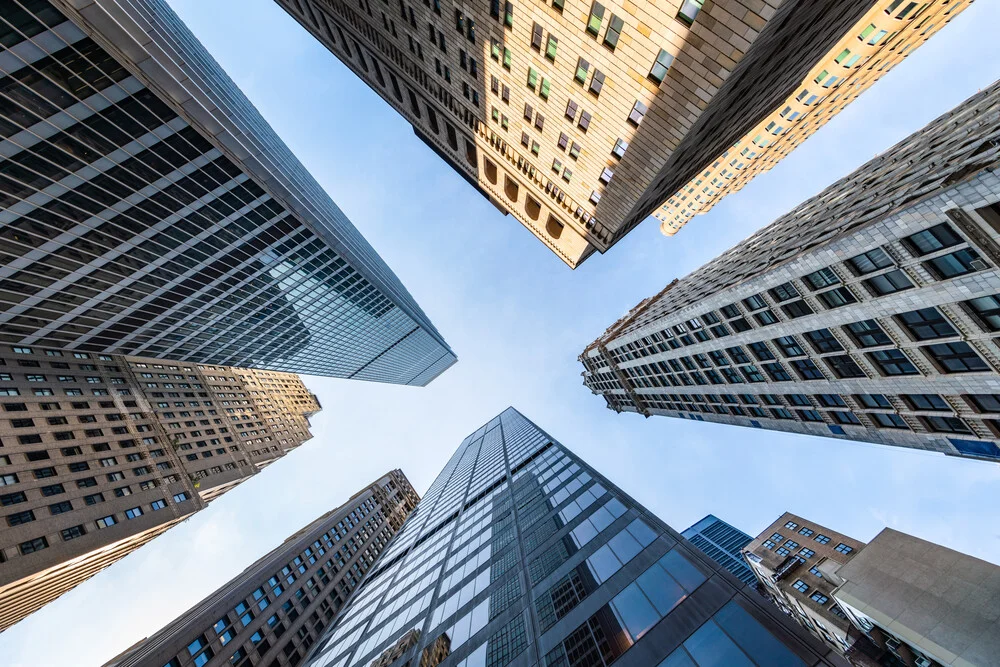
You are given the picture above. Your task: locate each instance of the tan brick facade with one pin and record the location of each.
(569, 115)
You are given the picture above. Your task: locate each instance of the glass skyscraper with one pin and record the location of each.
(148, 209)
(521, 554)
(723, 544)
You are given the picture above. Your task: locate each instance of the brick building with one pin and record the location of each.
(580, 118)
(102, 453)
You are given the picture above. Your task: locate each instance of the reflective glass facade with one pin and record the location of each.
(148, 209)
(521, 554)
(723, 544)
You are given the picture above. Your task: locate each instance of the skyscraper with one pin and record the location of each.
(521, 554)
(149, 210)
(723, 544)
(273, 611)
(793, 559)
(102, 453)
(868, 313)
(582, 118)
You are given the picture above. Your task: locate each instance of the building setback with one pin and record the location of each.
(149, 210)
(102, 453)
(581, 118)
(867, 313)
(793, 559)
(272, 612)
(723, 544)
(521, 554)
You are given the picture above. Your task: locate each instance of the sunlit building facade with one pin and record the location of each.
(149, 210)
(521, 554)
(867, 313)
(102, 453)
(273, 611)
(582, 118)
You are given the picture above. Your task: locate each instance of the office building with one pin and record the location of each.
(149, 210)
(723, 544)
(867, 313)
(793, 559)
(582, 118)
(102, 453)
(273, 611)
(521, 554)
(920, 604)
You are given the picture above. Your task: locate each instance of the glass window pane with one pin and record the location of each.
(678, 658)
(634, 611)
(603, 563)
(753, 638)
(643, 533)
(710, 647)
(681, 569)
(661, 589)
(624, 546)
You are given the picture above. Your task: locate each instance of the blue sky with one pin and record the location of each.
(518, 318)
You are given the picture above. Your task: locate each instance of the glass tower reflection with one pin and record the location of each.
(522, 554)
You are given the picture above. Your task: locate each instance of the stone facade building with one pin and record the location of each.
(148, 209)
(273, 611)
(102, 453)
(581, 118)
(789, 559)
(521, 554)
(867, 313)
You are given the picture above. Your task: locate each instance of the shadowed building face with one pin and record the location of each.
(581, 118)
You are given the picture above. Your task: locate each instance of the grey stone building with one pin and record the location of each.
(273, 611)
(148, 209)
(102, 453)
(867, 313)
(521, 554)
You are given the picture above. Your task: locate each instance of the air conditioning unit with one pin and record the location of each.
(921, 661)
(979, 265)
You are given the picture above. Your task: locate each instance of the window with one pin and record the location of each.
(844, 367)
(822, 539)
(845, 418)
(955, 264)
(60, 508)
(777, 372)
(614, 32)
(823, 341)
(888, 420)
(835, 298)
(597, 83)
(19, 518)
(807, 369)
(931, 240)
(946, 425)
(843, 548)
(869, 262)
(819, 598)
(929, 402)
(800, 586)
(550, 47)
(596, 16)
(620, 147)
(689, 10)
(797, 309)
(106, 522)
(761, 351)
(658, 72)
(789, 346)
(755, 302)
(180, 497)
(831, 401)
(984, 309)
(985, 402)
(784, 292)
(73, 533)
(822, 278)
(868, 333)
(638, 113)
(893, 362)
(31, 546)
(955, 358)
(888, 283)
